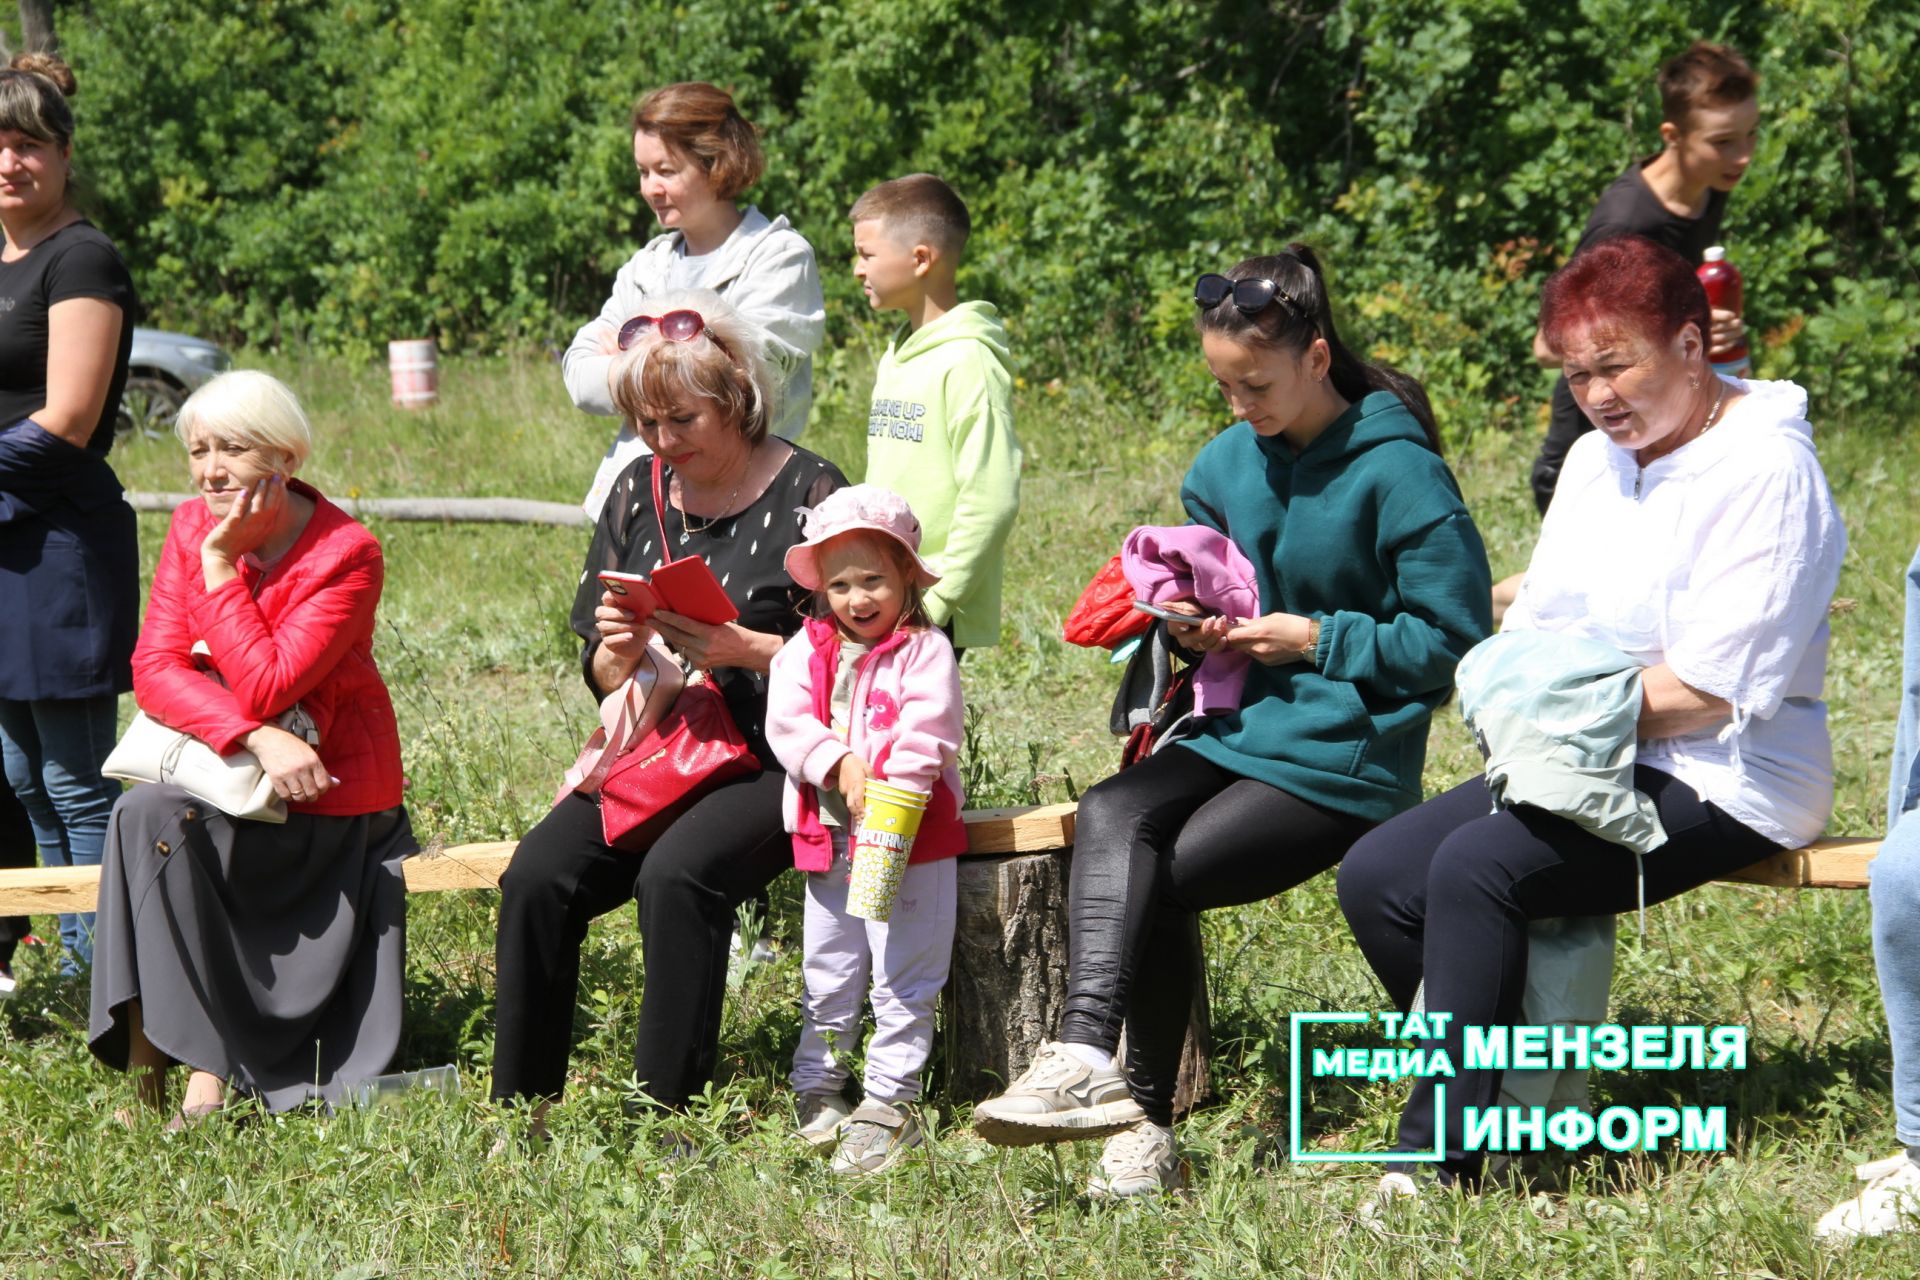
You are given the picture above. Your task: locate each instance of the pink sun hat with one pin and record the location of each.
(856, 507)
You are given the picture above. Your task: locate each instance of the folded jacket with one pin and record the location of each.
(1557, 717)
(1193, 562)
(39, 470)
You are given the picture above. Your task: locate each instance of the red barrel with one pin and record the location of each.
(415, 369)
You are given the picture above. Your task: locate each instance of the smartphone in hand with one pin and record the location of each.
(1169, 615)
(633, 591)
(686, 587)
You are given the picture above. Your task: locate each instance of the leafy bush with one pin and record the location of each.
(340, 172)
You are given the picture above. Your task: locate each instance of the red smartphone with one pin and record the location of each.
(688, 587)
(634, 591)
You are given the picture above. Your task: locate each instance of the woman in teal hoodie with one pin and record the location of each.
(1373, 582)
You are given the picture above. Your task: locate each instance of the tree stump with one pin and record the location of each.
(1008, 987)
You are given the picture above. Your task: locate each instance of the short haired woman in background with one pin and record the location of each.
(697, 156)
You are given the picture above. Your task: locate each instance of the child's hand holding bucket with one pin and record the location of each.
(882, 846)
(850, 780)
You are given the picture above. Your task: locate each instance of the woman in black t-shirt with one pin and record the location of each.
(69, 567)
(691, 379)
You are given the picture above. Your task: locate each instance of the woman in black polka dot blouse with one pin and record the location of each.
(692, 381)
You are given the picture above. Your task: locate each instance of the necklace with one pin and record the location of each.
(1713, 416)
(688, 528)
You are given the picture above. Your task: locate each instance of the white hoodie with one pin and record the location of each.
(1720, 560)
(765, 269)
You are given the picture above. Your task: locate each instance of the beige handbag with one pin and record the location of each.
(236, 785)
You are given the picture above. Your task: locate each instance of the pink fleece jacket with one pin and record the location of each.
(1192, 562)
(906, 721)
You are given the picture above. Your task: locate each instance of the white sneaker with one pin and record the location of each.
(1140, 1161)
(1058, 1098)
(1889, 1202)
(821, 1117)
(1393, 1189)
(7, 984)
(875, 1136)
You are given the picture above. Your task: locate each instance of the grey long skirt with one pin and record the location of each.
(272, 956)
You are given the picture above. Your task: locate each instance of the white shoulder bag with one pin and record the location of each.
(236, 784)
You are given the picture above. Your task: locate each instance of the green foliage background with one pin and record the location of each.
(340, 172)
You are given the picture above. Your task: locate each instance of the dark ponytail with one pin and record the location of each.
(1291, 324)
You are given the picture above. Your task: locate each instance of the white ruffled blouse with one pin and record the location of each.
(1720, 560)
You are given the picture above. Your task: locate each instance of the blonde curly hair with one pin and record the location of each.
(724, 363)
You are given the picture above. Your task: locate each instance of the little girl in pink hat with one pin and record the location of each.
(871, 691)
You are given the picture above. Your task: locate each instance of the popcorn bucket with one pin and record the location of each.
(881, 848)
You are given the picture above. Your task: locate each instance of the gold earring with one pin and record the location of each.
(1693, 380)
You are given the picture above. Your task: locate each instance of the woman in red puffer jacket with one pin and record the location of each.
(265, 957)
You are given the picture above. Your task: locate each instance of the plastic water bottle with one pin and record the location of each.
(390, 1087)
(1721, 280)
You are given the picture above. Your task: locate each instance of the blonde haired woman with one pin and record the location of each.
(264, 957)
(693, 383)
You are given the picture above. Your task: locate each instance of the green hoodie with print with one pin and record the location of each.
(1364, 530)
(940, 434)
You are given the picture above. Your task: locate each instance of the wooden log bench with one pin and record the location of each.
(1008, 986)
(1007, 991)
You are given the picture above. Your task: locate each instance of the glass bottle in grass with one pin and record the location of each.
(1721, 280)
(391, 1088)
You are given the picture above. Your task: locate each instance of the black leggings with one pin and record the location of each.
(725, 849)
(1445, 892)
(1156, 844)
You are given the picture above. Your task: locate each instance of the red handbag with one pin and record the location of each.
(694, 748)
(1104, 617)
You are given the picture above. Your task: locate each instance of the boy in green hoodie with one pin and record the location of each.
(940, 429)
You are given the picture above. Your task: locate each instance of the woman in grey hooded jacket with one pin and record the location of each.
(697, 155)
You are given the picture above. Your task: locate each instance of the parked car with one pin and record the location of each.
(162, 371)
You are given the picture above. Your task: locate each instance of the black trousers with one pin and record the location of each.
(728, 847)
(1445, 891)
(17, 850)
(1156, 844)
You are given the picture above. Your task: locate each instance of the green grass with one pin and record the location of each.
(485, 677)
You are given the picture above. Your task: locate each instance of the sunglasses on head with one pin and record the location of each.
(675, 326)
(1250, 296)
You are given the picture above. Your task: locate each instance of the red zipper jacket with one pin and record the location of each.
(299, 631)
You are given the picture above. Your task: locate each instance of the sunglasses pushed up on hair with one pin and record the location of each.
(1250, 296)
(683, 325)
